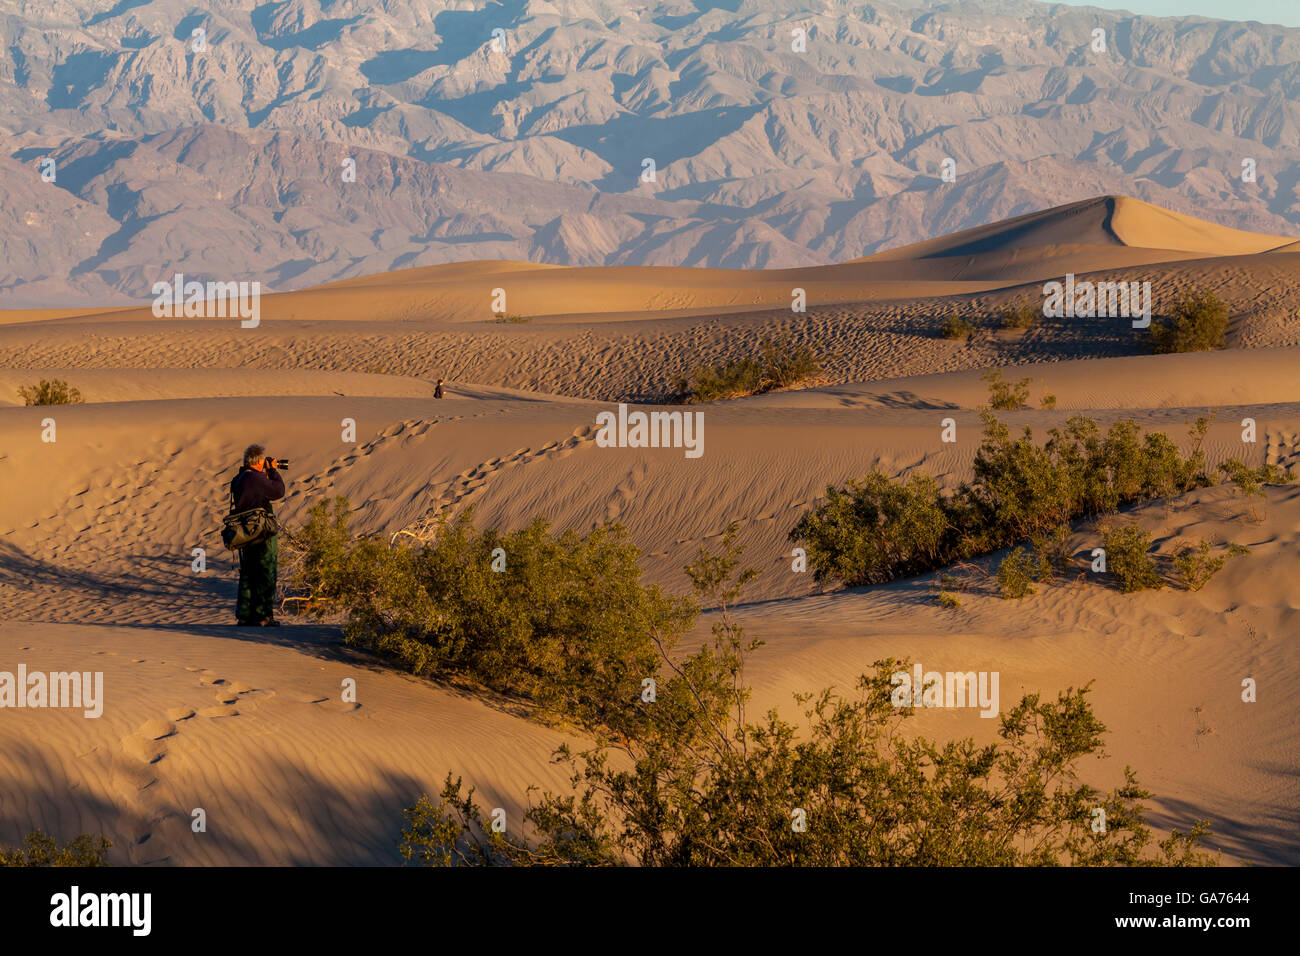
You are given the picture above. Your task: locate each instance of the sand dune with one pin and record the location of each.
(1106, 233)
(1190, 380)
(98, 528)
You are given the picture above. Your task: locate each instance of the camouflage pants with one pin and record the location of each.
(257, 571)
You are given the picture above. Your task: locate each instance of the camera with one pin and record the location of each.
(281, 464)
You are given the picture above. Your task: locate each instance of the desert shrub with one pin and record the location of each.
(782, 363)
(870, 799)
(57, 392)
(1021, 313)
(1021, 491)
(1199, 323)
(1251, 481)
(42, 850)
(1122, 467)
(1194, 566)
(567, 623)
(949, 600)
(1053, 547)
(787, 363)
(1006, 396)
(875, 529)
(955, 327)
(711, 383)
(502, 317)
(1128, 557)
(698, 784)
(1019, 570)
(1047, 401)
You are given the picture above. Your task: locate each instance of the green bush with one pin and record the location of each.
(1194, 566)
(781, 364)
(1053, 547)
(869, 797)
(502, 317)
(876, 529)
(1022, 313)
(1199, 324)
(697, 784)
(42, 850)
(734, 379)
(1006, 396)
(955, 327)
(1251, 481)
(57, 392)
(1018, 572)
(951, 601)
(787, 364)
(1128, 558)
(567, 623)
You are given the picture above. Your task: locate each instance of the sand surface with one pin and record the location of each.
(97, 529)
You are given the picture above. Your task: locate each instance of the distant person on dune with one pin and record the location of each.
(437, 392)
(256, 486)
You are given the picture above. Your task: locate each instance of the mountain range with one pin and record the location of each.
(309, 141)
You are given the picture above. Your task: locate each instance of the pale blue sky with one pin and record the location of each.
(1285, 12)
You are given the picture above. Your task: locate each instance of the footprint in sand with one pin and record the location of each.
(306, 697)
(221, 710)
(625, 492)
(146, 744)
(303, 697)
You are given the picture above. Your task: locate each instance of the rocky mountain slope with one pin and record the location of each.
(229, 161)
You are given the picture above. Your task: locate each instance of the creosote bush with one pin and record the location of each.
(1128, 558)
(57, 392)
(1019, 570)
(1004, 395)
(955, 327)
(698, 783)
(1022, 313)
(876, 529)
(1053, 547)
(1194, 566)
(781, 363)
(567, 623)
(1199, 323)
(40, 849)
(1250, 482)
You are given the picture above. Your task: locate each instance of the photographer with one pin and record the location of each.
(256, 486)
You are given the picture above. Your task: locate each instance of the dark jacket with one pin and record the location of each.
(255, 489)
